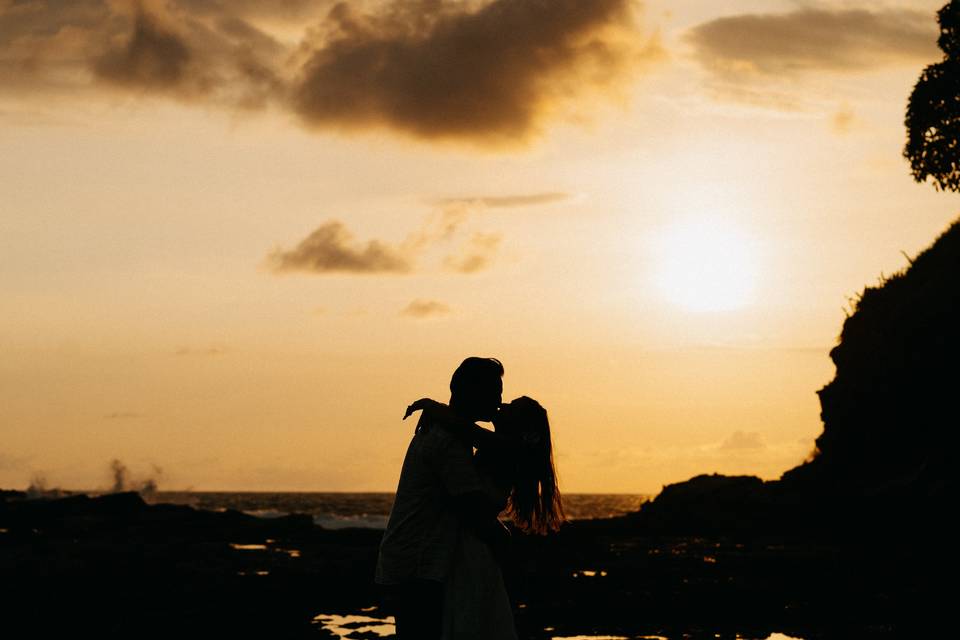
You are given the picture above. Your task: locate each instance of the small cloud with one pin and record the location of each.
(421, 309)
(453, 213)
(122, 415)
(742, 441)
(508, 201)
(203, 351)
(843, 120)
(331, 249)
(478, 253)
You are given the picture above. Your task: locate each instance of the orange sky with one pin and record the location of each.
(237, 242)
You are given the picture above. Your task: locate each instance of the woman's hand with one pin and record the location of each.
(425, 405)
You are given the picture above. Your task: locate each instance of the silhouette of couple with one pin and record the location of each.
(439, 560)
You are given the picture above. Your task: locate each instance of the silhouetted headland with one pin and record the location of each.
(885, 462)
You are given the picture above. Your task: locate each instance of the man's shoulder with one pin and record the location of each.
(437, 436)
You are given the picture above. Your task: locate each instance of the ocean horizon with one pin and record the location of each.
(364, 509)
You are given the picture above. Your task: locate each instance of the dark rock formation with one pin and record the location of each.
(708, 505)
(115, 566)
(886, 458)
(891, 411)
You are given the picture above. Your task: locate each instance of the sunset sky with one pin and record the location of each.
(239, 237)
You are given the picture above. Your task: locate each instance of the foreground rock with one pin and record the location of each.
(117, 567)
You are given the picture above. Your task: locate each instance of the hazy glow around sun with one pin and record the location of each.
(705, 264)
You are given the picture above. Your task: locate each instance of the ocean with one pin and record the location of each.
(367, 510)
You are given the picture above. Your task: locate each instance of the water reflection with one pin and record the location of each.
(293, 553)
(360, 627)
(343, 626)
(596, 637)
(589, 573)
(774, 636)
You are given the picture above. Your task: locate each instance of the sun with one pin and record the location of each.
(705, 264)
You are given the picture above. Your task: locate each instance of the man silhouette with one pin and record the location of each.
(438, 492)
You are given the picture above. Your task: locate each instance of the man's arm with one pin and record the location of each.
(476, 511)
(465, 492)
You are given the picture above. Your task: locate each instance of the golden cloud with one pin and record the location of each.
(771, 45)
(330, 248)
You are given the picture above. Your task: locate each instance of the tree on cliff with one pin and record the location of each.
(933, 112)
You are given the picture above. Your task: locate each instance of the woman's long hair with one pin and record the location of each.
(534, 504)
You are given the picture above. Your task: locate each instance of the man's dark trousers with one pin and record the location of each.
(418, 609)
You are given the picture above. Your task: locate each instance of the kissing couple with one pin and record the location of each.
(440, 556)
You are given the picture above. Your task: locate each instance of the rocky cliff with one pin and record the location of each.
(887, 452)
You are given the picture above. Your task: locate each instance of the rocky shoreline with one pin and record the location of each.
(119, 567)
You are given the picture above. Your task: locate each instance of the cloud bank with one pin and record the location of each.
(487, 72)
(770, 45)
(439, 70)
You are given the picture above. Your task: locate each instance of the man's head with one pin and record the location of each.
(476, 388)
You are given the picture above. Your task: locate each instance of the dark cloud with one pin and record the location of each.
(809, 39)
(488, 71)
(153, 57)
(421, 309)
(438, 69)
(284, 11)
(75, 49)
(330, 248)
(46, 45)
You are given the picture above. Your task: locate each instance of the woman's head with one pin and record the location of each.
(534, 503)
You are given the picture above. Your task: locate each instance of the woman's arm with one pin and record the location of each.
(446, 417)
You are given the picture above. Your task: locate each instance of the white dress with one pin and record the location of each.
(476, 605)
